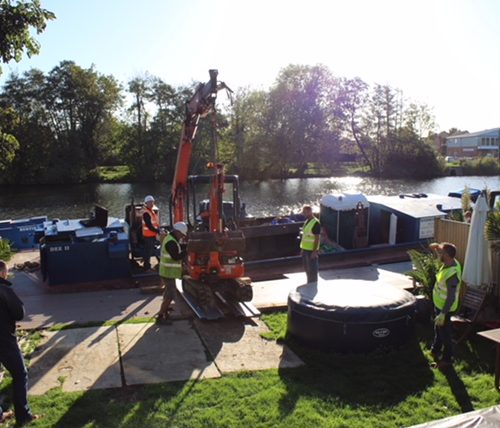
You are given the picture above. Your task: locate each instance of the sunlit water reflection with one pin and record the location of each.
(264, 198)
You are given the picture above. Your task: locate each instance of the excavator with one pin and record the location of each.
(215, 283)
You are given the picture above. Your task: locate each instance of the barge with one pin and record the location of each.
(356, 230)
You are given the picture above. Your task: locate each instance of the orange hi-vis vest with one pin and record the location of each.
(155, 221)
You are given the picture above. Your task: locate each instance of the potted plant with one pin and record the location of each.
(492, 230)
(425, 268)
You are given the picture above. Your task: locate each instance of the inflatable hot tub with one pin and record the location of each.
(351, 315)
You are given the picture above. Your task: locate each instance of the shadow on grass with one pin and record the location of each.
(381, 378)
(458, 389)
(127, 406)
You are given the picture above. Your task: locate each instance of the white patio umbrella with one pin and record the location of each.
(477, 264)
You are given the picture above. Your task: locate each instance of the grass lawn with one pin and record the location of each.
(113, 174)
(389, 388)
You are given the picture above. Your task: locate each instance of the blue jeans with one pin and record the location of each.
(442, 338)
(311, 266)
(12, 360)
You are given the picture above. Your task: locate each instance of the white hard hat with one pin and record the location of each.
(149, 198)
(181, 227)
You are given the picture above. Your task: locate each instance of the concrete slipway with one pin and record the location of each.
(140, 353)
(134, 354)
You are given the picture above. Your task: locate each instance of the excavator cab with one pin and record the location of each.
(198, 205)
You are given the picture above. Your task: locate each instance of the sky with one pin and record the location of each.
(444, 53)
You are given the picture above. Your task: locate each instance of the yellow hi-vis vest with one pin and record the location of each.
(439, 293)
(307, 241)
(169, 268)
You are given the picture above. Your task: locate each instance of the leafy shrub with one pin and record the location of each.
(425, 268)
(492, 230)
(413, 159)
(481, 166)
(5, 250)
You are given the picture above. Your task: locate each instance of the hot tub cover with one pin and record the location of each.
(352, 301)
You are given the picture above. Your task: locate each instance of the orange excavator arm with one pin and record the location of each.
(200, 105)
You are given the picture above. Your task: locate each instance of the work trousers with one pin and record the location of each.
(442, 338)
(170, 288)
(168, 296)
(149, 250)
(12, 360)
(311, 266)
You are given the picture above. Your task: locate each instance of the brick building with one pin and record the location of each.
(473, 145)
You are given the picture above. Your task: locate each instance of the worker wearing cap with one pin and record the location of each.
(446, 298)
(171, 257)
(150, 230)
(309, 244)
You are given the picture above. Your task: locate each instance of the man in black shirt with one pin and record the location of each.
(12, 310)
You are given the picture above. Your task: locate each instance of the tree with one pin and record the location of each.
(303, 118)
(139, 87)
(79, 101)
(16, 20)
(8, 143)
(245, 142)
(65, 115)
(419, 118)
(355, 99)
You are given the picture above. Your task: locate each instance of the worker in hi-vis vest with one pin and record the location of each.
(309, 244)
(446, 298)
(171, 257)
(150, 230)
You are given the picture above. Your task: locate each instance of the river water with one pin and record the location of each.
(271, 197)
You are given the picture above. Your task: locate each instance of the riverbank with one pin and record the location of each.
(473, 167)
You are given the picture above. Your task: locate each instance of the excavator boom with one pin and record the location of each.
(199, 105)
(214, 268)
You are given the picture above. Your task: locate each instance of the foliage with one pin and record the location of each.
(16, 20)
(62, 123)
(466, 200)
(425, 268)
(5, 250)
(308, 123)
(456, 215)
(492, 229)
(410, 158)
(8, 148)
(114, 174)
(303, 119)
(246, 136)
(151, 141)
(481, 166)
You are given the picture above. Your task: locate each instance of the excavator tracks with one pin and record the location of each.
(211, 302)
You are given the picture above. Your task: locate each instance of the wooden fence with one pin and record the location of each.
(458, 233)
(452, 231)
